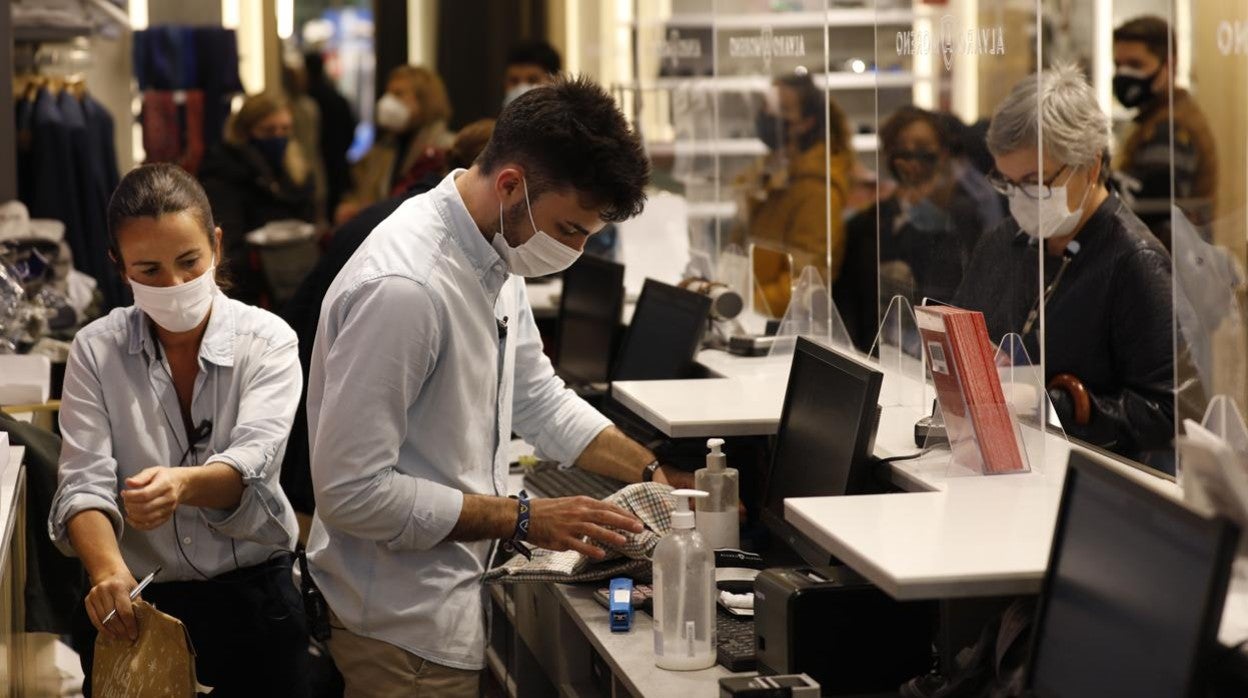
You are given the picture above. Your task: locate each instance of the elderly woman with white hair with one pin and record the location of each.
(1108, 330)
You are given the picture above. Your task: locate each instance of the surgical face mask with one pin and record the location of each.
(1046, 218)
(539, 255)
(1132, 88)
(515, 91)
(177, 308)
(392, 113)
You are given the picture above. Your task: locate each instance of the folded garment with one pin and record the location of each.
(651, 502)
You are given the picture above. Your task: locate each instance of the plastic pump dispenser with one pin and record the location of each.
(684, 593)
(717, 515)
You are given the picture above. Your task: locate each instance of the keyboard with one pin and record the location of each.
(550, 481)
(735, 639)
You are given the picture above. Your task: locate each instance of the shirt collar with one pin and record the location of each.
(217, 346)
(485, 260)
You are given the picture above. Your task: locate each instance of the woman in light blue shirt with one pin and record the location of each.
(175, 416)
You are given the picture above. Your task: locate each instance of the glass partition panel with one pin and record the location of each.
(675, 112)
(1109, 350)
(1208, 158)
(940, 228)
(784, 151)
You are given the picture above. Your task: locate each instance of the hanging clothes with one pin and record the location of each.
(67, 170)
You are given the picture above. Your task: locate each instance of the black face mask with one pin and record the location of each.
(925, 159)
(773, 130)
(770, 130)
(1132, 91)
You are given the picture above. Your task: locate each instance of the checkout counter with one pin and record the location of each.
(944, 537)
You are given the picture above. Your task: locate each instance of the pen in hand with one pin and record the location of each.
(135, 593)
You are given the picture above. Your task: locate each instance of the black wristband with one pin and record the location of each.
(647, 475)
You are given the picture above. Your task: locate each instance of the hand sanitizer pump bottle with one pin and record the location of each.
(684, 593)
(717, 514)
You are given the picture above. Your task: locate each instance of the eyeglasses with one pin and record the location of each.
(1032, 190)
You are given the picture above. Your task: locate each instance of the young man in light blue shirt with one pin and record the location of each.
(426, 359)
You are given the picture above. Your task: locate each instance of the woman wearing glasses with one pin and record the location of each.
(175, 415)
(1107, 286)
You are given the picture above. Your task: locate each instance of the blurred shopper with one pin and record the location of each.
(337, 129)
(529, 64)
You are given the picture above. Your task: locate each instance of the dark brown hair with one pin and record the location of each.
(153, 191)
(812, 101)
(1150, 30)
(571, 135)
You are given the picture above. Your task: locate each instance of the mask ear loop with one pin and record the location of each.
(529, 206)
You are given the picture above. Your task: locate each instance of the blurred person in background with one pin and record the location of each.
(307, 126)
(256, 176)
(411, 142)
(787, 200)
(1144, 80)
(337, 129)
(927, 226)
(529, 64)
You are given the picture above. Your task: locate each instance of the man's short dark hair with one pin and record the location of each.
(536, 52)
(1150, 30)
(571, 135)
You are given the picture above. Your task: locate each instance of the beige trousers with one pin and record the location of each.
(376, 669)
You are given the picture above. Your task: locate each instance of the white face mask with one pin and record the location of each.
(515, 91)
(1046, 218)
(392, 113)
(539, 255)
(177, 308)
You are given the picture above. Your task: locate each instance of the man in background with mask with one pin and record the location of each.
(1143, 80)
(529, 64)
(426, 359)
(1108, 329)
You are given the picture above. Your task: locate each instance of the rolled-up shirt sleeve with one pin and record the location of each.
(385, 339)
(545, 412)
(87, 474)
(266, 410)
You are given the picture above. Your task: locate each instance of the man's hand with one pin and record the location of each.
(112, 591)
(564, 523)
(152, 496)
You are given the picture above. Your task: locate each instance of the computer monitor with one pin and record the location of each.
(826, 437)
(663, 337)
(1134, 590)
(589, 316)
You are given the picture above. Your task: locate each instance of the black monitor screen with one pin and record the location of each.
(589, 313)
(663, 337)
(1127, 605)
(827, 427)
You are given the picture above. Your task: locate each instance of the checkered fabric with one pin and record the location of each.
(651, 502)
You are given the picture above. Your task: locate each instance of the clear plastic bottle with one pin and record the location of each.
(684, 593)
(718, 520)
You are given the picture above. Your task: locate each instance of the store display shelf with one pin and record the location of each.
(863, 143)
(762, 83)
(833, 17)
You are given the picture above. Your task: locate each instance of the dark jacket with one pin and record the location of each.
(246, 194)
(337, 133)
(1109, 322)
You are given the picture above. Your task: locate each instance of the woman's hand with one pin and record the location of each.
(112, 591)
(152, 496)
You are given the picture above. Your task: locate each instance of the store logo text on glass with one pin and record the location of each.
(953, 41)
(767, 45)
